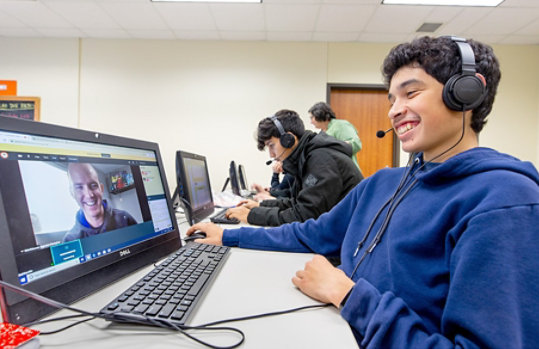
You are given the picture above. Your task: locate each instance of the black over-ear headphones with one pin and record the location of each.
(287, 140)
(464, 91)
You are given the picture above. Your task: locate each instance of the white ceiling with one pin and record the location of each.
(513, 22)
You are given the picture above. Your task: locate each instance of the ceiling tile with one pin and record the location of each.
(397, 19)
(237, 17)
(291, 18)
(280, 20)
(8, 21)
(335, 36)
(151, 34)
(106, 33)
(61, 33)
(531, 29)
(134, 16)
(502, 21)
(465, 19)
(295, 2)
(519, 3)
(382, 37)
(355, 2)
(18, 32)
(442, 14)
(34, 14)
(344, 18)
(187, 16)
(289, 36)
(82, 14)
(243, 35)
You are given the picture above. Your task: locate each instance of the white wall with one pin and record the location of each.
(46, 68)
(207, 97)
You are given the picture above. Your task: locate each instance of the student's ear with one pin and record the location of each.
(482, 78)
(102, 187)
(295, 138)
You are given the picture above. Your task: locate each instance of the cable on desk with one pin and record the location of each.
(65, 327)
(257, 316)
(120, 317)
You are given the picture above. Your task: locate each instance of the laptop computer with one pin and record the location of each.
(80, 209)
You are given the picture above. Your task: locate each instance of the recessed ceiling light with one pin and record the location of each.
(248, 1)
(491, 3)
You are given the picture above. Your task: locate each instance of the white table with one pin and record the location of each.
(251, 282)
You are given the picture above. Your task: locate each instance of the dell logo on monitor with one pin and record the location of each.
(124, 252)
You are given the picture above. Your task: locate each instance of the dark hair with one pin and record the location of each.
(440, 58)
(322, 112)
(291, 123)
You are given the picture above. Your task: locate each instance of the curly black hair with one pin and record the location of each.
(290, 121)
(440, 58)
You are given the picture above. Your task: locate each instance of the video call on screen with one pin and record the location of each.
(52, 214)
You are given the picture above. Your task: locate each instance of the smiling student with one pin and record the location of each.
(441, 253)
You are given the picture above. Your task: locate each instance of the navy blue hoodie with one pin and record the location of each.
(456, 265)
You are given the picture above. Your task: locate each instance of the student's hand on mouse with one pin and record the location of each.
(240, 213)
(214, 233)
(322, 281)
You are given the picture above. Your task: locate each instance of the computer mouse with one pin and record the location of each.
(194, 236)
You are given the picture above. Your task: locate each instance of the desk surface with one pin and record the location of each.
(251, 282)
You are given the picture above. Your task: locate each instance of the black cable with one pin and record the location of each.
(44, 321)
(66, 327)
(120, 317)
(394, 203)
(257, 316)
(366, 235)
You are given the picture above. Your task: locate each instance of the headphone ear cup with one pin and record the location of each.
(463, 92)
(287, 140)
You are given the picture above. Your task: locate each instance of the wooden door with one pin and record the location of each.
(366, 108)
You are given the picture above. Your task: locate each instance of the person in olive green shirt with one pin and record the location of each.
(323, 117)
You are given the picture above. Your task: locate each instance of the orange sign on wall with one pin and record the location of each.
(8, 88)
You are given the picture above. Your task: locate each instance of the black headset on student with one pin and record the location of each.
(286, 139)
(464, 91)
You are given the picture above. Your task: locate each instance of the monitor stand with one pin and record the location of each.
(226, 183)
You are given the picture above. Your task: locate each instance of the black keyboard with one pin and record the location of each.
(220, 218)
(171, 291)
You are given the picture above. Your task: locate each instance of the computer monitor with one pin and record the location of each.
(233, 176)
(194, 187)
(243, 178)
(59, 183)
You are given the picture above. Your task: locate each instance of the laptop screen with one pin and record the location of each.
(194, 185)
(74, 203)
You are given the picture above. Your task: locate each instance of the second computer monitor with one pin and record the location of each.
(233, 176)
(243, 178)
(194, 187)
